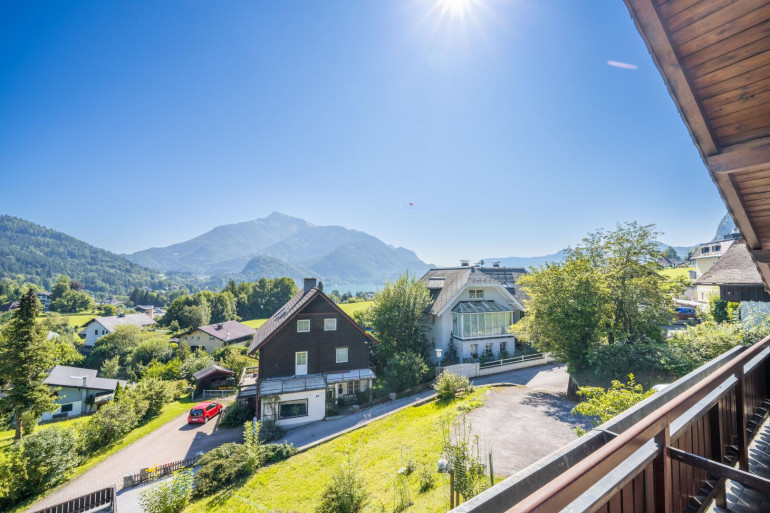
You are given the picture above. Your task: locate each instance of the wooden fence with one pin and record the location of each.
(86, 502)
(158, 471)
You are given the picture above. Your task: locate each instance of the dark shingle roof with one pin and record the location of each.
(228, 330)
(724, 245)
(288, 311)
(63, 376)
(735, 267)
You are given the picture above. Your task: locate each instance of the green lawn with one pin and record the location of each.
(254, 323)
(297, 483)
(348, 308)
(170, 411)
(677, 272)
(77, 319)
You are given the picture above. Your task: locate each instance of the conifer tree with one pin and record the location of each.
(25, 358)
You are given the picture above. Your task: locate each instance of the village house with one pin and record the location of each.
(708, 254)
(215, 336)
(474, 307)
(75, 385)
(308, 346)
(734, 278)
(97, 327)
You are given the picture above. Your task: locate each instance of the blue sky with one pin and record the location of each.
(138, 124)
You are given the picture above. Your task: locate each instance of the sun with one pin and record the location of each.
(455, 8)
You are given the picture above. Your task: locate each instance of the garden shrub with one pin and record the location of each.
(427, 479)
(12, 476)
(154, 393)
(220, 467)
(49, 455)
(111, 423)
(606, 404)
(170, 495)
(450, 385)
(346, 493)
(235, 415)
(269, 430)
(273, 453)
(405, 370)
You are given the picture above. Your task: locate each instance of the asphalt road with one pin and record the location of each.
(173, 441)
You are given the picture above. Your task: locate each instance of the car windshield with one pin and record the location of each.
(196, 412)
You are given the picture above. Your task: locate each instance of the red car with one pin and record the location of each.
(202, 412)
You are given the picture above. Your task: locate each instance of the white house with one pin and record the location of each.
(474, 307)
(75, 385)
(708, 254)
(97, 327)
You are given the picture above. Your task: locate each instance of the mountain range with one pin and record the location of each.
(281, 245)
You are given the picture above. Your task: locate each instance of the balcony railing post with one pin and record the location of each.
(740, 412)
(717, 452)
(661, 470)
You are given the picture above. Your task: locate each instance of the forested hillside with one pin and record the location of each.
(38, 254)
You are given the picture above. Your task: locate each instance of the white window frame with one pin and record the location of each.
(476, 293)
(337, 354)
(303, 322)
(330, 324)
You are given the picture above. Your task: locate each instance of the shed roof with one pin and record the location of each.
(211, 370)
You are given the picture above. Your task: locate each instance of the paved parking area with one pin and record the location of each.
(522, 424)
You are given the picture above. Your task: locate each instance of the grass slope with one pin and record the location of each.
(672, 273)
(348, 308)
(298, 483)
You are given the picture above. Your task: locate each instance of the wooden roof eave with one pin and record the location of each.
(722, 162)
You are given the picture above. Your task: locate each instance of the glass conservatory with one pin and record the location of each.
(480, 319)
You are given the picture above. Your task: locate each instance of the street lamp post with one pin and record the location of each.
(439, 351)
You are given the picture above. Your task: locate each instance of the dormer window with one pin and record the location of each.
(476, 294)
(705, 250)
(716, 248)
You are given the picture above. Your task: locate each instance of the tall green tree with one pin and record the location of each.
(25, 357)
(397, 319)
(607, 290)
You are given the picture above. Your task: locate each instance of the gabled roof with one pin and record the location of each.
(706, 250)
(211, 369)
(455, 280)
(228, 330)
(64, 376)
(736, 267)
(287, 312)
(112, 322)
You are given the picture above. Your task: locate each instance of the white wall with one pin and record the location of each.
(94, 331)
(440, 328)
(471, 370)
(316, 407)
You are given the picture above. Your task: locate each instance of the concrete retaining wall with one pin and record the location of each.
(473, 370)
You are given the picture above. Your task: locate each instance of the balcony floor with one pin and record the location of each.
(744, 500)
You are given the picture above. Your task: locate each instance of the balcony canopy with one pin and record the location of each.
(468, 307)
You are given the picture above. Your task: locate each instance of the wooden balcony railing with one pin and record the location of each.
(669, 453)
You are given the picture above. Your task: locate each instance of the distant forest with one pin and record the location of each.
(35, 254)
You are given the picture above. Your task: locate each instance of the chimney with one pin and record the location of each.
(465, 263)
(495, 264)
(309, 284)
(85, 381)
(220, 326)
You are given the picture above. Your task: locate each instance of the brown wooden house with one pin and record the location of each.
(308, 346)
